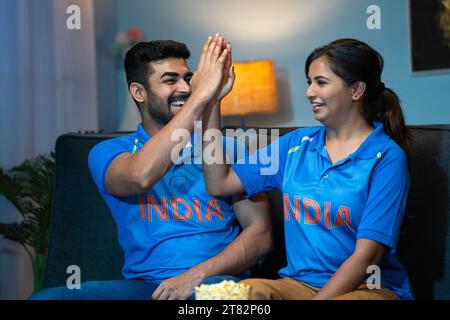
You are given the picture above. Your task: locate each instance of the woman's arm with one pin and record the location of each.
(353, 271)
(220, 179)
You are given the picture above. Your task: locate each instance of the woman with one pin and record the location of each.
(344, 184)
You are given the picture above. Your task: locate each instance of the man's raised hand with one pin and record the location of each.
(207, 81)
(228, 76)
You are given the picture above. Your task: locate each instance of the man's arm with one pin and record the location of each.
(130, 173)
(252, 244)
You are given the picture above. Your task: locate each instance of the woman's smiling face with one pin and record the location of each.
(329, 95)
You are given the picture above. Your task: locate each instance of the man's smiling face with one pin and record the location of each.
(169, 88)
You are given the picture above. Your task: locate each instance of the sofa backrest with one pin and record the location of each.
(424, 242)
(83, 232)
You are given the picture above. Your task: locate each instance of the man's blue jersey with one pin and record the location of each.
(173, 226)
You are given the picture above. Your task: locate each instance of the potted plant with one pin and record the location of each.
(29, 188)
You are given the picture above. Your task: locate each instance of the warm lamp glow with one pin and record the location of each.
(254, 90)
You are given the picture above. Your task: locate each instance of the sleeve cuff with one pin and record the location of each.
(246, 180)
(376, 236)
(106, 167)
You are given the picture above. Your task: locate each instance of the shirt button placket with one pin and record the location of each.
(325, 176)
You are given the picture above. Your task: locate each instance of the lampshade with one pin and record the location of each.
(254, 90)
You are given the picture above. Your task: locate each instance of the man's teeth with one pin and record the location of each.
(177, 103)
(317, 105)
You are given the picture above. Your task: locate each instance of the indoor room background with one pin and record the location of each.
(284, 31)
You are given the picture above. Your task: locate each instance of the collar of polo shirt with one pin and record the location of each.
(369, 148)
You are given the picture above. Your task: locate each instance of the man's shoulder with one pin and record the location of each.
(123, 143)
(105, 151)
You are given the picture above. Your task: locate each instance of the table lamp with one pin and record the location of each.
(254, 90)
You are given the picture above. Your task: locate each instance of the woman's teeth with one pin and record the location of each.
(317, 106)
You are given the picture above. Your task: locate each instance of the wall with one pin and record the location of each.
(105, 32)
(286, 31)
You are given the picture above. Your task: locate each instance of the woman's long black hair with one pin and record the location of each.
(353, 60)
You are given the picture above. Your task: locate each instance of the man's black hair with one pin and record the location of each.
(138, 58)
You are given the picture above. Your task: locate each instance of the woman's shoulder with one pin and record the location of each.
(299, 138)
(299, 135)
(392, 157)
(308, 131)
(381, 145)
(392, 150)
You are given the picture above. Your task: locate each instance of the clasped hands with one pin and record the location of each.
(214, 77)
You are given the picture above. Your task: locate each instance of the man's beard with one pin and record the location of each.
(157, 109)
(160, 110)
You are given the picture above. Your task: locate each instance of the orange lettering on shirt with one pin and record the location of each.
(141, 206)
(327, 215)
(176, 214)
(210, 212)
(162, 213)
(287, 207)
(197, 209)
(307, 203)
(343, 218)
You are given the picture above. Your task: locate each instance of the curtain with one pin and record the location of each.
(47, 88)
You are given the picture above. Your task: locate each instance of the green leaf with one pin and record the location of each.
(29, 187)
(9, 188)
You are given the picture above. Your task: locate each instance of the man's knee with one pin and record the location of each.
(58, 293)
(64, 293)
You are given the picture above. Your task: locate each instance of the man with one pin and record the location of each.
(174, 235)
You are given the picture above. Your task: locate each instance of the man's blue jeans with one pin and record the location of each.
(111, 290)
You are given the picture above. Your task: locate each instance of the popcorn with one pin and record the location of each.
(226, 290)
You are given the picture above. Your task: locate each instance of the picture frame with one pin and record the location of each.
(429, 26)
